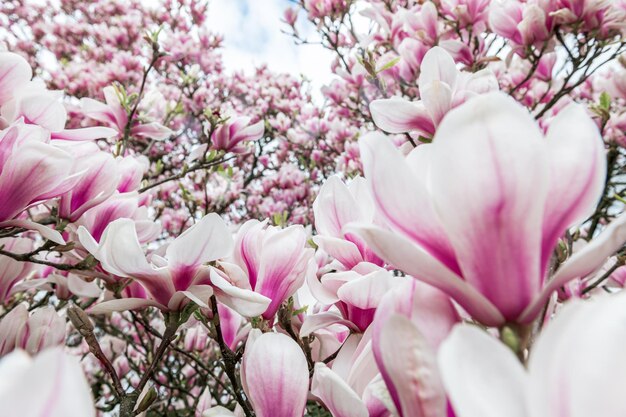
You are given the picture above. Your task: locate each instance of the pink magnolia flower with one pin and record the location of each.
(524, 24)
(114, 114)
(30, 101)
(275, 260)
(483, 228)
(442, 87)
(275, 375)
(42, 329)
(31, 171)
(356, 294)
(12, 271)
(99, 178)
(230, 136)
(335, 206)
(483, 377)
(57, 378)
(181, 274)
(118, 206)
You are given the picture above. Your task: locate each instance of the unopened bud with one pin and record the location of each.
(80, 320)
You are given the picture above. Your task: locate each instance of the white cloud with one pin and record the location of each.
(252, 36)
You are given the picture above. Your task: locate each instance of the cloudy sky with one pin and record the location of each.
(252, 36)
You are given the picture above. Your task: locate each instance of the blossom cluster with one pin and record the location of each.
(443, 236)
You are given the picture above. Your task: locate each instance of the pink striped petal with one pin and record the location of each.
(398, 115)
(492, 197)
(277, 376)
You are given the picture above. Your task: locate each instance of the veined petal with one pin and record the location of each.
(124, 304)
(402, 198)
(57, 378)
(14, 73)
(490, 176)
(437, 98)
(410, 367)
(562, 382)
(277, 376)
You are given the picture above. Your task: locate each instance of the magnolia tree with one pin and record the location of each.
(441, 236)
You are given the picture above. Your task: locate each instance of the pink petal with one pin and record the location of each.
(336, 394)
(408, 257)
(582, 263)
(491, 198)
(277, 376)
(577, 156)
(402, 198)
(409, 363)
(397, 115)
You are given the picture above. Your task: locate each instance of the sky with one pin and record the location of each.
(252, 36)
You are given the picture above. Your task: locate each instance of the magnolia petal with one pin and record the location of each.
(582, 263)
(45, 231)
(482, 376)
(336, 394)
(403, 199)
(398, 115)
(124, 304)
(244, 301)
(563, 383)
(57, 378)
(344, 251)
(408, 257)
(85, 133)
(318, 321)
(277, 376)
(14, 73)
(498, 176)
(577, 156)
(437, 98)
(437, 65)
(333, 207)
(218, 411)
(409, 363)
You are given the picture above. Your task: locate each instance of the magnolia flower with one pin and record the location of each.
(30, 101)
(522, 23)
(42, 329)
(483, 377)
(356, 294)
(31, 171)
(275, 375)
(335, 206)
(229, 136)
(181, 273)
(478, 212)
(114, 114)
(11, 270)
(126, 205)
(275, 260)
(99, 178)
(55, 377)
(442, 87)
